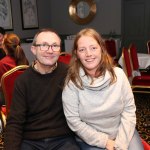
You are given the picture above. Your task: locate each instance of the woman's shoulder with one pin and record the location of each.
(8, 60)
(120, 73)
(6, 64)
(71, 86)
(118, 70)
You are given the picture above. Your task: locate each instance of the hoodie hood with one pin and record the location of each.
(99, 83)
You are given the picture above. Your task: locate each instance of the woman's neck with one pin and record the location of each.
(93, 74)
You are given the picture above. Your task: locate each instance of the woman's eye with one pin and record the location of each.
(94, 48)
(81, 50)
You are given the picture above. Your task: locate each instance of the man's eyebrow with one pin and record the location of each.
(45, 43)
(48, 43)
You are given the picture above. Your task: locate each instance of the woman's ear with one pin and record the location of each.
(75, 54)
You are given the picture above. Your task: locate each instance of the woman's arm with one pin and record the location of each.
(128, 117)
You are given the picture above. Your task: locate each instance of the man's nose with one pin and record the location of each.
(50, 49)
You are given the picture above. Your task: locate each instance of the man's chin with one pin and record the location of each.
(50, 63)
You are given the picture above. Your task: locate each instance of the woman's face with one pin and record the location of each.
(89, 53)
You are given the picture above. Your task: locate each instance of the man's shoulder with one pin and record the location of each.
(61, 70)
(26, 74)
(62, 64)
(62, 67)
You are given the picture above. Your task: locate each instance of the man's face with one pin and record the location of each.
(48, 56)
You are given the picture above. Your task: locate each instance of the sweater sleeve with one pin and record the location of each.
(83, 130)
(128, 117)
(16, 118)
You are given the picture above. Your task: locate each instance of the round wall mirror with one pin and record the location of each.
(82, 11)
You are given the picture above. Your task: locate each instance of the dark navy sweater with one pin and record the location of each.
(36, 110)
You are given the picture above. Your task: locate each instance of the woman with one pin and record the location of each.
(97, 98)
(14, 54)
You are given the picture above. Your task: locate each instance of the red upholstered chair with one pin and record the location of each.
(145, 145)
(134, 57)
(134, 60)
(126, 58)
(139, 83)
(111, 49)
(7, 85)
(148, 47)
(65, 57)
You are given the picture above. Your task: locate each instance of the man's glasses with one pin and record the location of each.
(45, 47)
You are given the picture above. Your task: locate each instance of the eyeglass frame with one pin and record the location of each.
(48, 46)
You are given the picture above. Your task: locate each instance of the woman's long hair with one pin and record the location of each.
(11, 43)
(106, 62)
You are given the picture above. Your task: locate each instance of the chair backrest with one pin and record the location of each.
(7, 83)
(148, 47)
(111, 47)
(127, 63)
(138, 84)
(134, 56)
(145, 145)
(65, 57)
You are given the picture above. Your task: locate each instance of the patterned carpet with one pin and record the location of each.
(1, 142)
(142, 102)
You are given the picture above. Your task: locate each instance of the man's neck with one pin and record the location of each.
(44, 69)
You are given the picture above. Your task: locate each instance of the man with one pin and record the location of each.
(36, 119)
(2, 33)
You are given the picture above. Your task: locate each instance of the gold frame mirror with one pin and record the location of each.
(82, 11)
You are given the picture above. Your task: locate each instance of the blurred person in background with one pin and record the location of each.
(2, 33)
(15, 56)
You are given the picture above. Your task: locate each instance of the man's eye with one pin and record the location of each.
(44, 45)
(54, 45)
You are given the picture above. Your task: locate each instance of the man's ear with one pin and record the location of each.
(33, 50)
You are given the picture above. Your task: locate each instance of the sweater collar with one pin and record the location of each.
(98, 83)
(36, 69)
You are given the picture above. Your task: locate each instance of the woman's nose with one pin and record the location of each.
(88, 52)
